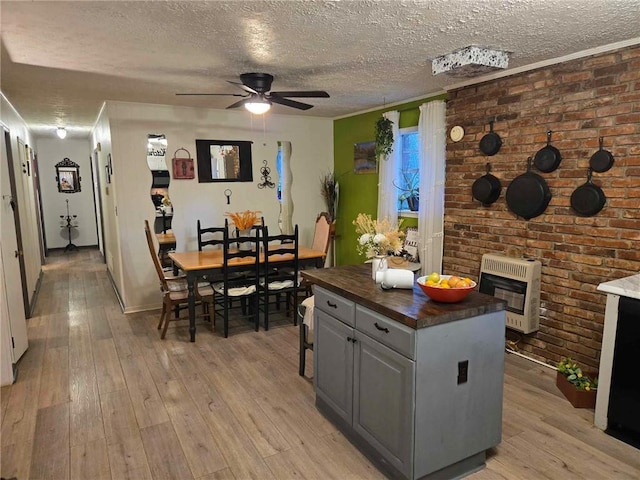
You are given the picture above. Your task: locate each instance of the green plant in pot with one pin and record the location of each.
(384, 137)
(579, 387)
(410, 191)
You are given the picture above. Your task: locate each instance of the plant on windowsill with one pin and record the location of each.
(577, 386)
(384, 137)
(410, 190)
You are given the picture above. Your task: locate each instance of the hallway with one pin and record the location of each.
(100, 396)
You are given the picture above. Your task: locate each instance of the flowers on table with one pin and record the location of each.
(377, 237)
(243, 220)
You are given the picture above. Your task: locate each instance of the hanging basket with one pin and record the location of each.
(384, 137)
(182, 166)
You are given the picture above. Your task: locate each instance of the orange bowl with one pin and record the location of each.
(445, 295)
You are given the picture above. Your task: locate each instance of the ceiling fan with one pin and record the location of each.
(259, 96)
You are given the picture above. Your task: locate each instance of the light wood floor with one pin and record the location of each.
(99, 395)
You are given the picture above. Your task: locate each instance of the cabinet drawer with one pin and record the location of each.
(335, 305)
(399, 337)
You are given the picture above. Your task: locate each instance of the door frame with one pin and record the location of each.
(97, 202)
(16, 220)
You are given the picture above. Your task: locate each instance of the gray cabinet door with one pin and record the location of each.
(333, 363)
(384, 386)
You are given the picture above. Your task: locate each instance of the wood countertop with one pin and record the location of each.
(413, 308)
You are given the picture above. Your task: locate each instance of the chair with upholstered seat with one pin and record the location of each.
(321, 242)
(240, 273)
(174, 288)
(281, 252)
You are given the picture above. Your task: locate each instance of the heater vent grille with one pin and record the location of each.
(525, 318)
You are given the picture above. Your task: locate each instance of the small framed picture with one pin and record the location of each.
(364, 158)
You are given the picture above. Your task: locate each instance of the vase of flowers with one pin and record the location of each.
(243, 222)
(377, 239)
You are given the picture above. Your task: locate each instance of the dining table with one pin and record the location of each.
(195, 264)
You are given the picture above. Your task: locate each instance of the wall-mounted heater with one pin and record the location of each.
(517, 281)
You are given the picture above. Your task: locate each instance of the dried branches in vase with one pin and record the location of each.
(329, 189)
(243, 220)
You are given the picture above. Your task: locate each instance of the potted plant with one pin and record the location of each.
(410, 191)
(384, 137)
(577, 386)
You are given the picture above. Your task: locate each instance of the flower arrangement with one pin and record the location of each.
(377, 237)
(243, 220)
(574, 375)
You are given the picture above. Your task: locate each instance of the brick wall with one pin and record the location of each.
(579, 101)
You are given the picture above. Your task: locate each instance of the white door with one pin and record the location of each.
(10, 260)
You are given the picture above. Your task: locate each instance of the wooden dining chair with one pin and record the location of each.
(321, 242)
(238, 281)
(174, 289)
(279, 276)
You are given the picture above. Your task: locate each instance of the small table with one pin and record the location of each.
(166, 242)
(199, 263)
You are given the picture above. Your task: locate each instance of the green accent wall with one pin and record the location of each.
(359, 192)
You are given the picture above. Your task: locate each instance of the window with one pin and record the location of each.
(409, 176)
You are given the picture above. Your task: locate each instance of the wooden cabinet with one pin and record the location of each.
(420, 403)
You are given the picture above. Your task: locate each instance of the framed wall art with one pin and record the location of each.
(68, 176)
(364, 158)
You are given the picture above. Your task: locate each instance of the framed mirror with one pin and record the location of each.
(224, 161)
(68, 176)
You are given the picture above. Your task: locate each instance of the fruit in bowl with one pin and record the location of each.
(447, 288)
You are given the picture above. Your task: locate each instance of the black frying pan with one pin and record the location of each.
(588, 199)
(548, 158)
(490, 144)
(602, 160)
(528, 194)
(487, 188)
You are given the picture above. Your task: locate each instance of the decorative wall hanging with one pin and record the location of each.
(265, 171)
(227, 193)
(68, 176)
(364, 158)
(183, 166)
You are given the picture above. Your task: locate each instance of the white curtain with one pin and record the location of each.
(432, 135)
(388, 171)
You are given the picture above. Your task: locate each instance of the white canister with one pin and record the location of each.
(395, 278)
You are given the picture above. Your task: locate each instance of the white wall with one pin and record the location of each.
(50, 152)
(312, 154)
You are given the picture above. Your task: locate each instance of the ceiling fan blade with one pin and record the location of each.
(217, 94)
(307, 94)
(239, 104)
(242, 86)
(290, 103)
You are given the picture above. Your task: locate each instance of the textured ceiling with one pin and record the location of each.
(61, 60)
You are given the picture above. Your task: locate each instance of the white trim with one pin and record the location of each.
(545, 63)
(426, 97)
(407, 214)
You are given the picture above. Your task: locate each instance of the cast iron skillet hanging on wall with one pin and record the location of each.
(548, 158)
(602, 160)
(490, 144)
(487, 188)
(588, 199)
(528, 194)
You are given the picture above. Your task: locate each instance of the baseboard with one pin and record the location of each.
(115, 290)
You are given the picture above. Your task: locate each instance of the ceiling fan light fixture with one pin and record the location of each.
(258, 106)
(61, 132)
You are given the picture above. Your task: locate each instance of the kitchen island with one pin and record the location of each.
(415, 384)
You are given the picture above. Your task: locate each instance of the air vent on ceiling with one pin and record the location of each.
(470, 61)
